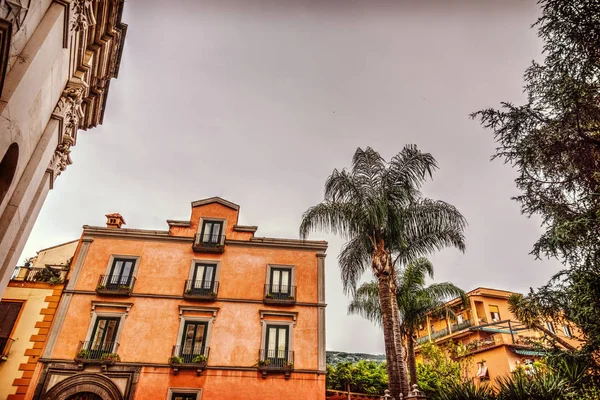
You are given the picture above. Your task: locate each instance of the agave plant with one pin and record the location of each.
(466, 391)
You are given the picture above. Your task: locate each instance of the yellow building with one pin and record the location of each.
(497, 342)
(26, 314)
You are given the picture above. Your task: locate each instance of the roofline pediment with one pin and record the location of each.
(219, 200)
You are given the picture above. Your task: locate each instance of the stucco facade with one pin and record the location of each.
(498, 342)
(56, 62)
(36, 300)
(258, 340)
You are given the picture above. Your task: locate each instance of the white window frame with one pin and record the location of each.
(195, 261)
(103, 314)
(567, 331)
(223, 220)
(278, 314)
(550, 326)
(196, 391)
(136, 263)
(292, 269)
(188, 318)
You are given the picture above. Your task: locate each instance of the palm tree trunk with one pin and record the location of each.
(391, 356)
(399, 349)
(412, 360)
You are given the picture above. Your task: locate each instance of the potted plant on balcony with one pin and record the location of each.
(124, 288)
(110, 358)
(188, 291)
(263, 363)
(269, 296)
(83, 355)
(100, 287)
(288, 366)
(200, 359)
(175, 360)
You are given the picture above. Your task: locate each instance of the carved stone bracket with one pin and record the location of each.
(68, 113)
(83, 15)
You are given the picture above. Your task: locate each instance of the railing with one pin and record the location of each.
(462, 325)
(209, 243)
(482, 344)
(280, 294)
(439, 334)
(97, 352)
(187, 354)
(117, 285)
(49, 275)
(5, 345)
(422, 340)
(275, 359)
(200, 289)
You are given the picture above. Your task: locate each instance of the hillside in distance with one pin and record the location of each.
(336, 357)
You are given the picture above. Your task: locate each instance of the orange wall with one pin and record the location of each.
(231, 385)
(150, 330)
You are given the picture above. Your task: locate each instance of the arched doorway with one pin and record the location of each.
(8, 167)
(85, 396)
(84, 387)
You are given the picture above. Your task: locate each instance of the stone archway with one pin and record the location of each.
(84, 384)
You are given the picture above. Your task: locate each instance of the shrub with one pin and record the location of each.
(200, 359)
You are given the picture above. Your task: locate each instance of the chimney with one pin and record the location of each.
(114, 221)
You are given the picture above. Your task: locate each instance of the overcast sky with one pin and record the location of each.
(258, 101)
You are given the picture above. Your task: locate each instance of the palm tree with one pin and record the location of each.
(415, 301)
(377, 206)
(528, 312)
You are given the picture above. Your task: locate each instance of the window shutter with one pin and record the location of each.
(9, 311)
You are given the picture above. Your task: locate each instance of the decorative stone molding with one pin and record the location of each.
(14, 11)
(112, 304)
(97, 384)
(207, 310)
(83, 15)
(280, 314)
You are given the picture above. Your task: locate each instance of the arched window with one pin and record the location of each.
(8, 167)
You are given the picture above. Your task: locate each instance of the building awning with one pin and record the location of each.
(531, 353)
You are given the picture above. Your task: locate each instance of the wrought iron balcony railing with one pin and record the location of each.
(186, 354)
(90, 352)
(275, 359)
(462, 325)
(53, 276)
(189, 357)
(5, 345)
(115, 285)
(206, 243)
(279, 294)
(200, 290)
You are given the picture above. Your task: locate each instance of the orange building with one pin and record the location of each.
(203, 310)
(494, 339)
(26, 314)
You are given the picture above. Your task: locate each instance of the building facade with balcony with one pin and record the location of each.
(26, 315)
(203, 310)
(494, 339)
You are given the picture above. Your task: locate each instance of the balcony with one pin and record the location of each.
(115, 285)
(439, 334)
(99, 353)
(280, 295)
(423, 339)
(209, 243)
(5, 345)
(200, 290)
(184, 357)
(275, 361)
(53, 276)
(460, 326)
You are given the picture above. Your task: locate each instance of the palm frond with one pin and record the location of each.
(338, 218)
(366, 302)
(354, 259)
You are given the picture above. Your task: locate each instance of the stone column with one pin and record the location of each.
(53, 150)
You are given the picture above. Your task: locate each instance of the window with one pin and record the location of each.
(277, 345)
(460, 319)
(193, 341)
(495, 313)
(203, 278)
(120, 273)
(211, 232)
(550, 326)
(104, 337)
(567, 331)
(280, 282)
(184, 396)
(9, 312)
